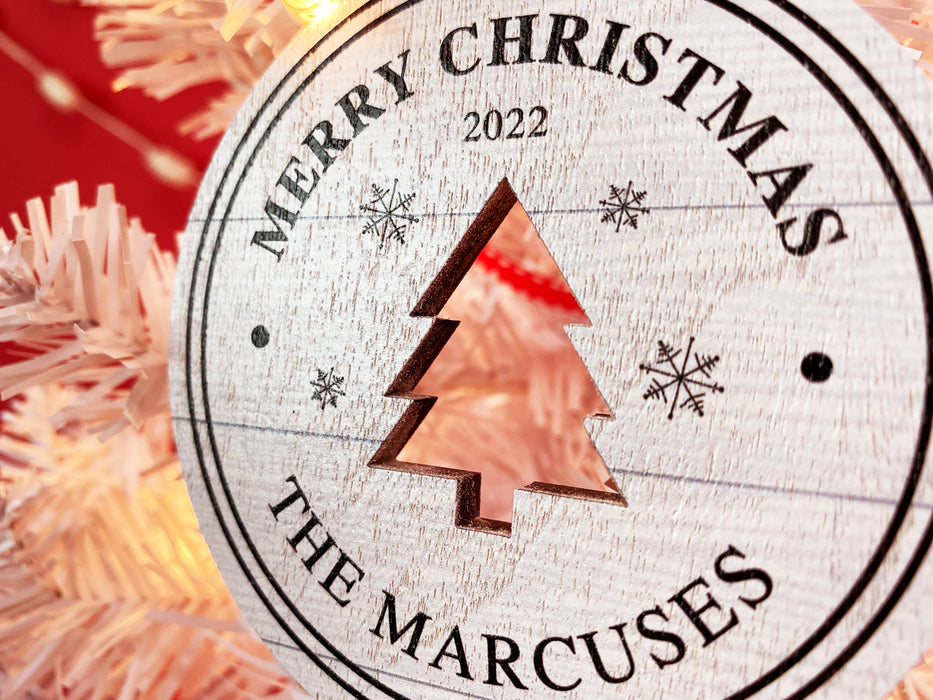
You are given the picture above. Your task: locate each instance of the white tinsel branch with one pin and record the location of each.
(166, 46)
(910, 22)
(84, 297)
(107, 590)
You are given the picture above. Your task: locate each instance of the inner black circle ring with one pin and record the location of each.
(927, 289)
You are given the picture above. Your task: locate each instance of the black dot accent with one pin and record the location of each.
(816, 367)
(260, 336)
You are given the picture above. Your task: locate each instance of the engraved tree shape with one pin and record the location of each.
(563, 479)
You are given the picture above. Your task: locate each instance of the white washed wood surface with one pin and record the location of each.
(803, 478)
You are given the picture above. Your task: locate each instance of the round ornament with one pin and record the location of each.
(737, 193)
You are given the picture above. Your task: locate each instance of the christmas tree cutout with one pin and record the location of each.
(494, 448)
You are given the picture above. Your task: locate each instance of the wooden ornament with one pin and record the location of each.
(738, 194)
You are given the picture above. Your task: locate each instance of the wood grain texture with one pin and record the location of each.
(770, 532)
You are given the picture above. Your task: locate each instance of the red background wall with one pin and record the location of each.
(41, 148)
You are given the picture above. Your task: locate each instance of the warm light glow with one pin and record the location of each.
(307, 11)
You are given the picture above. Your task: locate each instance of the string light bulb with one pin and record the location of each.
(63, 94)
(308, 11)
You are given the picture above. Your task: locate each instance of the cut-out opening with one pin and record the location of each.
(498, 391)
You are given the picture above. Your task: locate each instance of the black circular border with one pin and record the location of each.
(906, 211)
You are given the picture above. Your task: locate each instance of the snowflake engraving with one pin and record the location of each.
(327, 388)
(673, 377)
(388, 214)
(623, 207)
